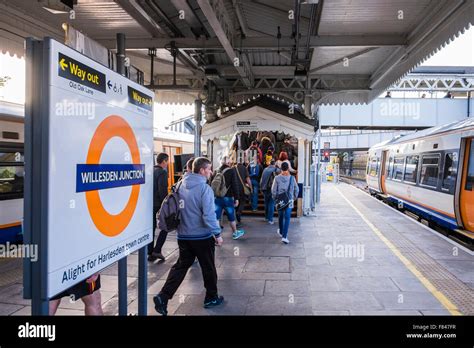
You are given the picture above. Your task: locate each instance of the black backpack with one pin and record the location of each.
(169, 215)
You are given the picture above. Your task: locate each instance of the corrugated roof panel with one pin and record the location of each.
(371, 16)
(266, 18)
(364, 64)
(105, 19)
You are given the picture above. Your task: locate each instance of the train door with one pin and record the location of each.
(382, 173)
(467, 187)
(171, 151)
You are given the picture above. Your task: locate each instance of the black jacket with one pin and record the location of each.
(231, 181)
(160, 186)
(244, 174)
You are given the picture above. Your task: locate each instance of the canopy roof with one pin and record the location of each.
(263, 114)
(227, 50)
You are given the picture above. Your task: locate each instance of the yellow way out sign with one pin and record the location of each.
(78, 72)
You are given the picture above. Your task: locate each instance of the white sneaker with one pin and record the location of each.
(278, 232)
(285, 240)
(271, 222)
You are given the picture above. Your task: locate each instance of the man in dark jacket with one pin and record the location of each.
(231, 198)
(160, 191)
(243, 179)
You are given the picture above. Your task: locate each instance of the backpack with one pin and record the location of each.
(169, 214)
(283, 200)
(270, 180)
(254, 170)
(218, 184)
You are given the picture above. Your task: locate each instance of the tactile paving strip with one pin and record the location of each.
(455, 290)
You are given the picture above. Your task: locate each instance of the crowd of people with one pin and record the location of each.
(205, 195)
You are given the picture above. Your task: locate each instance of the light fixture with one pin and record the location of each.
(300, 74)
(211, 73)
(58, 6)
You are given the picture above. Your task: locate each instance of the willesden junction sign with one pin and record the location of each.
(96, 144)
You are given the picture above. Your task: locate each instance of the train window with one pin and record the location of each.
(398, 168)
(429, 171)
(389, 167)
(470, 169)
(373, 166)
(411, 169)
(450, 172)
(11, 157)
(11, 179)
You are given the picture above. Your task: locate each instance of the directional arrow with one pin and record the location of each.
(109, 84)
(63, 64)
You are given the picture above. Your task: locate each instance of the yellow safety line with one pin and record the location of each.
(451, 307)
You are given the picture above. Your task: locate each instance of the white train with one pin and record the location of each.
(430, 173)
(11, 172)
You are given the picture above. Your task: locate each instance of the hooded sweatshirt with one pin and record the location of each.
(198, 215)
(281, 184)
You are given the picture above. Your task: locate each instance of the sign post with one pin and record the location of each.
(94, 165)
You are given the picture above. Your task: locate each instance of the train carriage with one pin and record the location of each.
(430, 173)
(11, 172)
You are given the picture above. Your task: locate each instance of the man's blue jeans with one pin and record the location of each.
(284, 221)
(269, 205)
(254, 196)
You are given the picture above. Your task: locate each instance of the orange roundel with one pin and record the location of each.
(109, 224)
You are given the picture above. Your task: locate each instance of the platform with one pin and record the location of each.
(356, 257)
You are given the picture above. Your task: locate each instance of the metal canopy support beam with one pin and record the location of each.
(264, 42)
(340, 60)
(197, 128)
(142, 18)
(222, 26)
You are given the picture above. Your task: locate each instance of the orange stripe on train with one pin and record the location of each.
(423, 205)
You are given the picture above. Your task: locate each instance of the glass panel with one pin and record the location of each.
(11, 157)
(390, 167)
(450, 171)
(373, 166)
(470, 169)
(11, 179)
(429, 171)
(411, 169)
(398, 168)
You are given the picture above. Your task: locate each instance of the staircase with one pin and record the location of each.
(261, 208)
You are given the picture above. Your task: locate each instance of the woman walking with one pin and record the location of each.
(284, 191)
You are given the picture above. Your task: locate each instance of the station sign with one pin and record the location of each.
(254, 125)
(100, 178)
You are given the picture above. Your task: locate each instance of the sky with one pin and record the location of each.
(459, 52)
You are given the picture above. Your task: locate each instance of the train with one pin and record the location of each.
(429, 173)
(11, 173)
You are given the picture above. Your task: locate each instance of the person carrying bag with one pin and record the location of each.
(284, 191)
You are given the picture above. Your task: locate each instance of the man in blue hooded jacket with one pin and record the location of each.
(198, 233)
